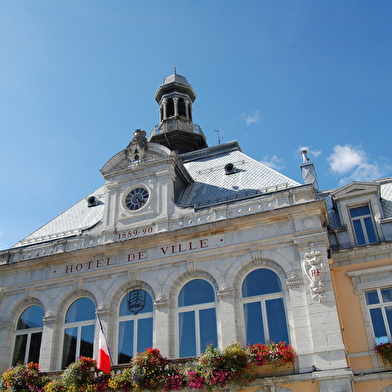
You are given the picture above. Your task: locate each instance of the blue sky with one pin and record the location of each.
(79, 76)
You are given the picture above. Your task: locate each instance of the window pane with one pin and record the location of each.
(261, 281)
(359, 232)
(208, 335)
(359, 211)
(370, 230)
(19, 350)
(69, 348)
(276, 316)
(386, 295)
(144, 334)
(125, 342)
(81, 310)
(254, 323)
(148, 307)
(197, 291)
(372, 297)
(31, 318)
(187, 334)
(87, 341)
(378, 323)
(35, 346)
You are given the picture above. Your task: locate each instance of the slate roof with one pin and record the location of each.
(71, 222)
(386, 196)
(212, 185)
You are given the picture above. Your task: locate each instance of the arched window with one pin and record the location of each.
(170, 108)
(181, 107)
(135, 325)
(79, 331)
(196, 318)
(28, 336)
(264, 311)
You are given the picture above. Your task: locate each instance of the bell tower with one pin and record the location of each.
(176, 130)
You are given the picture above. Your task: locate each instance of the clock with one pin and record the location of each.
(137, 198)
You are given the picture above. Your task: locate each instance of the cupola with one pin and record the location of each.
(176, 130)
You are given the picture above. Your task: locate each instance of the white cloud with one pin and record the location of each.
(272, 162)
(253, 118)
(345, 158)
(353, 163)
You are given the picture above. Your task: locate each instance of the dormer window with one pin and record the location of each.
(363, 226)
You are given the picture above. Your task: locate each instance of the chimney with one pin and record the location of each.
(308, 171)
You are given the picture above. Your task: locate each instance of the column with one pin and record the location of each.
(49, 357)
(5, 345)
(161, 338)
(164, 105)
(228, 332)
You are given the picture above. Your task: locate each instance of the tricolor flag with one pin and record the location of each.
(103, 362)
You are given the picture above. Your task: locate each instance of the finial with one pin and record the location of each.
(175, 70)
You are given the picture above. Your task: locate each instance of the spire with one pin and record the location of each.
(176, 130)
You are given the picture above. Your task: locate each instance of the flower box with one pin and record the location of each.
(270, 369)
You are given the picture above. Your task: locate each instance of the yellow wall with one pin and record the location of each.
(375, 386)
(350, 312)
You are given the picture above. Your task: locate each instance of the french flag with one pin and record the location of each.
(103, 362)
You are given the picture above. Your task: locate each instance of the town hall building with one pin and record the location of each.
(186, 245)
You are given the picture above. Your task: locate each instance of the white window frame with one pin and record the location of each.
(381, 305)
(135, 318)
(78, 325)
(263, 299)
(28, 332)
(196, 309)
(367, 280)
(361, 219)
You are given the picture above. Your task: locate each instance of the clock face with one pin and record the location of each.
(137, 198)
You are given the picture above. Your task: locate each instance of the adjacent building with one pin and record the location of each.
(185, 245)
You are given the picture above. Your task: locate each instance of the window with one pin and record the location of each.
(196, 318)
(379, 303)
(135, 325)
(170, 108)
(264, 311)
(363, 225)
(181, 107)
(28, 336)
(79, 331)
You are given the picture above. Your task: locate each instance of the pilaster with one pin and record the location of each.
(161, 338)
(48, 356)
(228, 332)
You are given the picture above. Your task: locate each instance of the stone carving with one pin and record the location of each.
(137, 148)
(314, 269)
